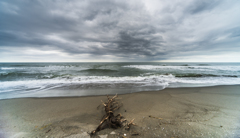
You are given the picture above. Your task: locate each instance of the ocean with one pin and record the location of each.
(19, 80)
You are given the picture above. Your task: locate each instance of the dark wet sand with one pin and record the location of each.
(185, 112)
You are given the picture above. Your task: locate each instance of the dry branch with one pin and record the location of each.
(130, 124)
(109, 119)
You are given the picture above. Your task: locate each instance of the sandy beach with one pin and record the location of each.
(172, 112)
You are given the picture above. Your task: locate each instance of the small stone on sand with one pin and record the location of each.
(113, 133)
(82, 135)
(103, 136)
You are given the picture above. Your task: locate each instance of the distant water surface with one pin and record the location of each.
(82, 79)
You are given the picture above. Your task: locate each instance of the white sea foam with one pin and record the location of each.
(45, 68)
(37, 78)
(9, 68)
(58, 82)
(154, 67)
(91, 81)
(202, 68)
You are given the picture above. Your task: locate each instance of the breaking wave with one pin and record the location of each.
(27, 79)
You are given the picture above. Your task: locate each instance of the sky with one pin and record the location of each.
(119, 31)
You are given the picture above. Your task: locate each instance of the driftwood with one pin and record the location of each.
(109, 120)
(128, 126)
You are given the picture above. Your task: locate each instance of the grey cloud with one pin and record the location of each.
(119, 28)
(235, 32)
(204, 5)
(14, 39)
(133, 43)
(34, 17)
(130, 44)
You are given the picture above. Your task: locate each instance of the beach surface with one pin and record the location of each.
(172, 112)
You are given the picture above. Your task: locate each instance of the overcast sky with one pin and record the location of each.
(122, 30)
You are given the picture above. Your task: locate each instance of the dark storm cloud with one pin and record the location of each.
(132, 43)
(122, 29)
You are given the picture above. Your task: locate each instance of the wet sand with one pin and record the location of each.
(175, 112)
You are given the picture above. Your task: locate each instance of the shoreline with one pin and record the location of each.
(186, 112)
(56, 89)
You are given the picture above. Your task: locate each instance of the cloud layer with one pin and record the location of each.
(118, 30)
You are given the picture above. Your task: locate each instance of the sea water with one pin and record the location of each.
(82, 79)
